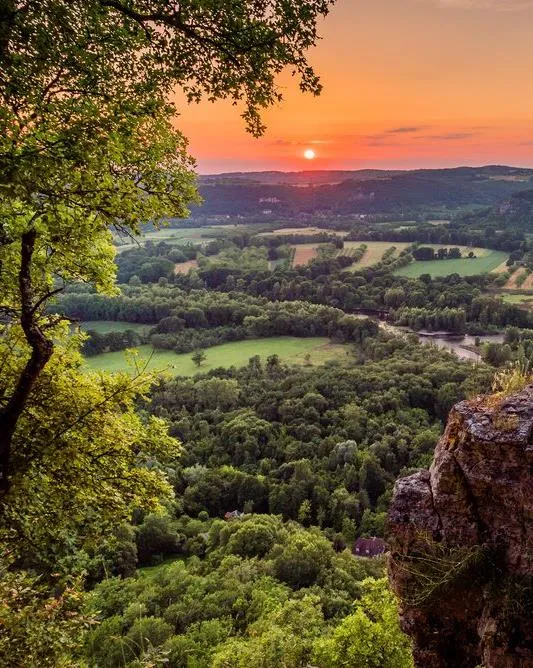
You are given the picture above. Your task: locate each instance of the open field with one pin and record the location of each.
(501, 269)
(520, 279)
(290, 349)
(524, 299)
(488, 262)
(304, 253)
(107, 326)
(528, 283)
(174, 235)
(374, 252)
(513, 278)
(301, 231)
(185, 267)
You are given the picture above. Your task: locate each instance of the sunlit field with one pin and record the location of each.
(292, 350)
(488, 262)
(374, 252)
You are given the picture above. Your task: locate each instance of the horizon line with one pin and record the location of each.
(365, 169)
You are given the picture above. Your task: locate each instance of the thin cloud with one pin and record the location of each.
(393, 137)
(495, 5)
(386, 138)
(449, 136)
(292, 142)
(405, 130)
(283, 142)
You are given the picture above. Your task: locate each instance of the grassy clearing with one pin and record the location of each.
(185, 267)
(107, 326)
(173, 235)
(481, 264)
(290, 349)
(152, 571)
(526, 299)
(301, 231)
(281, 262)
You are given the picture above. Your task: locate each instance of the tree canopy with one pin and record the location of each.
(87, 139)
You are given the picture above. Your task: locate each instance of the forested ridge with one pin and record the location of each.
(375, 192)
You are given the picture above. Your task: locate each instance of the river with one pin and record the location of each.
(454, 343)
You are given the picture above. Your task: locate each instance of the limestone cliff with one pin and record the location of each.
(461, 537)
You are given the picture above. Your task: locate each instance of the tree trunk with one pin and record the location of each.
(42, 349)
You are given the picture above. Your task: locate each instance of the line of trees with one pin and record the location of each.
(428, 253)
(203, 318)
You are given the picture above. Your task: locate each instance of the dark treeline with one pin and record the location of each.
(459, 232)
(274, 240)
(224, 296)
(371, 289)
(451, 320)
(424, 253)
(110, 341)
(198, 319)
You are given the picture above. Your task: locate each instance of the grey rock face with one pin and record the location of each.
(461, 537)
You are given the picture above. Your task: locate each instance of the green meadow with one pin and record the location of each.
(183, 235)
(290, 349)
(171, 235)
(517, 299)
(482, 264)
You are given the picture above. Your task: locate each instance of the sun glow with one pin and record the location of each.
(309, 154)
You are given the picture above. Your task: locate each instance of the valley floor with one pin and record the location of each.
(289, 349)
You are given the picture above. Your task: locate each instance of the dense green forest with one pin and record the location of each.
(264, 593)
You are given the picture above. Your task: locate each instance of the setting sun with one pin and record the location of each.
(309, 154)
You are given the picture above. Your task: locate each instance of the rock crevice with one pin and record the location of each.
(461, 537)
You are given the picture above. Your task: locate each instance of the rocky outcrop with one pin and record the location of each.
(461, 537)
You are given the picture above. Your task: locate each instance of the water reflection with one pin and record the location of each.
(457, 344)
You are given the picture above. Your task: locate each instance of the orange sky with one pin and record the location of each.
(407, 83)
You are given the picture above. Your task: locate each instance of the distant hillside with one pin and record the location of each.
(515, 212)
(358, 192)
(306, 178)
